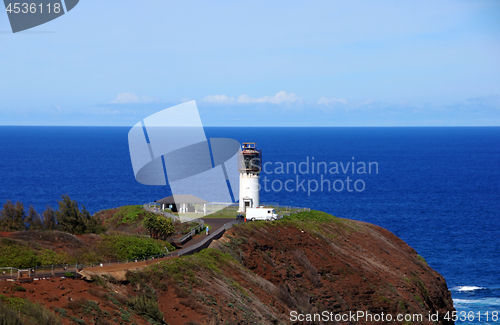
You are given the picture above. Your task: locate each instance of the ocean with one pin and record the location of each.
(437, 188)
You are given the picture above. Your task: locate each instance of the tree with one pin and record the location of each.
(33, 221)
(49, 218)
(158, 227)
(71, 219)
(12, 217)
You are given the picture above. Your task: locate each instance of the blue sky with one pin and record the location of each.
(257, 63)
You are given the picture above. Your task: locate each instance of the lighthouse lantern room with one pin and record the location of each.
(249, 166)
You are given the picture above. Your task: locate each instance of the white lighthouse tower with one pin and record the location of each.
(249, 166)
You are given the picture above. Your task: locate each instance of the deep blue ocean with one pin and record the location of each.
(436, 188)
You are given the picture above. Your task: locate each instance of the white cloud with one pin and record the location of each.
(129, 98)
(278, 98)
(331, 101)
(218, 99)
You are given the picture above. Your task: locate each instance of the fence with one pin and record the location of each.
(224, 209)
(7, 273)
(150, 207)
(194, 231)
(206, 242)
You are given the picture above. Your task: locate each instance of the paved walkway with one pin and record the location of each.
(213, 223)
(119, 271)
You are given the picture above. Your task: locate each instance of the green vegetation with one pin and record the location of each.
(421, 259)
(230, 212)
(68, 218)
(179, 268)
(36, 243)
(18, 254)
(158, 226)
(89, 309)
(28, 253)
(319, 222)
(128, 247)
(61, 311)
(179, 274)
(18, 288)
(71, 219)
(184, 228)
(12, 217)
(313, 216)
(420, 285)
(17, 311)
(146, 305)
(128, 214)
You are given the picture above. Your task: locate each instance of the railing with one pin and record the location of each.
(7, 273)
(206, 242)
(284, 209)
(198, 228)
(62, 269)
(155, 209)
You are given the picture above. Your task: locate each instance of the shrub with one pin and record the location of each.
(159, 227)
(18, 288)
(128, 247)
(147, 306)
(77, 304)
(29, 314)
(61, 311)
(77, 320)
(421, 259)
(18, 254)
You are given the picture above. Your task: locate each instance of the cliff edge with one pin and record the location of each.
(310, 268)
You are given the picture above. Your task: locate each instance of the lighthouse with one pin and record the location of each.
(249, 166)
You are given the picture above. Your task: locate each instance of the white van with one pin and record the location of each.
(261, 213)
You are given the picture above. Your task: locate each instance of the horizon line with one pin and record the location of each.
(279, 126)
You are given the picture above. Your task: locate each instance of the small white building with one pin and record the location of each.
(183, 203)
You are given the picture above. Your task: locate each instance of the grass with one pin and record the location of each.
(128, 247)
(116, 246)
(20, 254)
(420, 285)
(17, 311)
(185, 276)
(181, 269)
(227, 212)
(128, 214)
(218, 216)
(318, 222)
(146, 305)
(421, 259)
(69, 275)
(231, 212)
